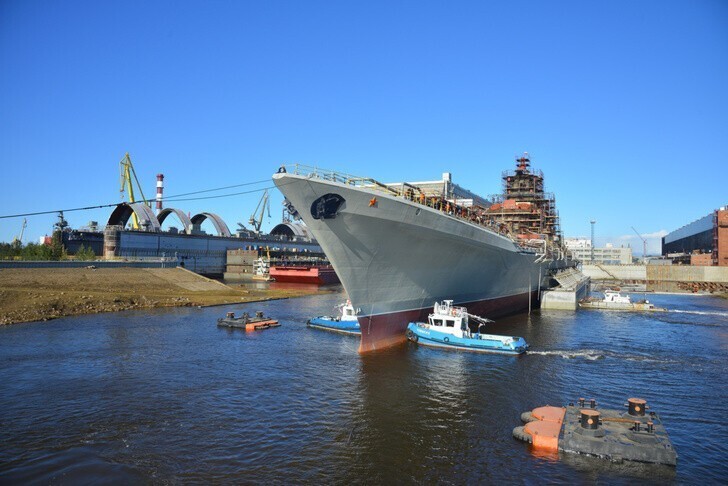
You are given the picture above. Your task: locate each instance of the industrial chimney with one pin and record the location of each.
(160, 189)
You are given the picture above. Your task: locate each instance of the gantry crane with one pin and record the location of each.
(257, 220)
(126, 170)
(644, 243)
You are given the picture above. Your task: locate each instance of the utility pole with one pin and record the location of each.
(592, 239)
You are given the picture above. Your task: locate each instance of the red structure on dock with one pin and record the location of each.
(316, 274)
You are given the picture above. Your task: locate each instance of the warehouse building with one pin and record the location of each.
(702, 242)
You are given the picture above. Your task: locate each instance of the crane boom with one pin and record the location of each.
(18, 240)
(126, 173)
(644, 243)
(257, 220)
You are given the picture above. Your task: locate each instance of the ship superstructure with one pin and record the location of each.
(398, 248)
(524, 210)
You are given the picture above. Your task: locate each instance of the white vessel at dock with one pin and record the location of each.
(396, 253)
(613, 300)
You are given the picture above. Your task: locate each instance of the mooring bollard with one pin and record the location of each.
(637, 407)
(590, 419)
(650, 427)
(581, 402)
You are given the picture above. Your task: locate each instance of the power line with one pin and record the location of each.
(175, 198)
(38, 213)
(213, 190)
(218, 196)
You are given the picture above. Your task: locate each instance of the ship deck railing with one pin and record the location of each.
(340, 177)
(474, 214)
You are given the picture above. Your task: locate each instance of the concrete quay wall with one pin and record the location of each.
(141, 263)
(615, 272)
(663, 278)
(684, 273)
(672, 273)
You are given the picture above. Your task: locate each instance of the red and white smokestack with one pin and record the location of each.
(160, 189)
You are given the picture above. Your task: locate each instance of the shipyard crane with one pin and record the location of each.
(644, 243)
(18, 240)
(126, 170)
(256, 220)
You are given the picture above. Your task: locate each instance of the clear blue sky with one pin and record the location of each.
(622, 104)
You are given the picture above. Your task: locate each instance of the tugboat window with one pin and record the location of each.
(450, 323)
(437, 322)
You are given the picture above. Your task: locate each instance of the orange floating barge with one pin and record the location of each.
(312, 274)
(609, 434)
(257, 323)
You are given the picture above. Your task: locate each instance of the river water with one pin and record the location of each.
(166, 396)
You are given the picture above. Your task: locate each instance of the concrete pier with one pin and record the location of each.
(573, 286)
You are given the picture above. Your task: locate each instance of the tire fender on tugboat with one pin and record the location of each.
(411, 336)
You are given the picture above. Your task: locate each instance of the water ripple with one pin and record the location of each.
(166, 397)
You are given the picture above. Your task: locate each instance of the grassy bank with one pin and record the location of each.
(47, 293)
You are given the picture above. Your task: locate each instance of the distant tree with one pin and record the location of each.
(84, 253)
(8, 251)
(58, 252)
(33, 251)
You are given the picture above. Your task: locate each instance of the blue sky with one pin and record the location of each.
(621, 104)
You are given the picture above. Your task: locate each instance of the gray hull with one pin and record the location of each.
(395, 258)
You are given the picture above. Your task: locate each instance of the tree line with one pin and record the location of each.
(34, 251)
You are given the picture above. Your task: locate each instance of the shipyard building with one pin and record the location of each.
(703, 242)
(581, 249)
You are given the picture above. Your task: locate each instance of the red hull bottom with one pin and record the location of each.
(385, 330)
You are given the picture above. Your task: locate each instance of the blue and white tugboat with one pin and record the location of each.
(448, 327)
(347, 323)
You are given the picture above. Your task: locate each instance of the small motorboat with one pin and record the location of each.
(449, 327)
(246, 322)
(346, 323)
(613, 300)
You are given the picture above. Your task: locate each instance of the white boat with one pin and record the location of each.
(613, 300)
(449, 327)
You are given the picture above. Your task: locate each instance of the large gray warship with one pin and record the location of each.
(398, 248)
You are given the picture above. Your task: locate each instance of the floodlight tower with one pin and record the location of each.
(592, 239)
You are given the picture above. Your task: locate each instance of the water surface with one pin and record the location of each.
(167, 396)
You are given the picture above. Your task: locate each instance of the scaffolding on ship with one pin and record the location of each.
(524, 209)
